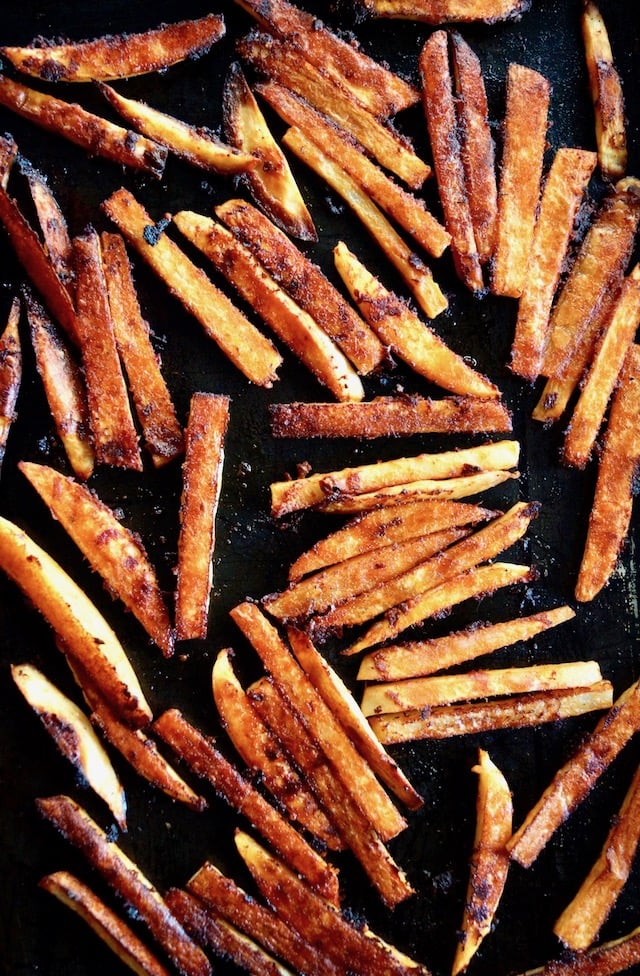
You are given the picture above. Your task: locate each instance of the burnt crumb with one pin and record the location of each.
(153, 232)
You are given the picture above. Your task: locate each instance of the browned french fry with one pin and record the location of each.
(606, 93)
(252, 353)
(53, 226)
(563, 190)
(105, 923)
(201, 487)
(312, 346)
(525, 136)
(8, 153)
(605, 960)
(119, 55)
(10, 374)
(449, 11)
(423, 657)
(575, 780)
(201, 755)
(469, 718)
(305, 282)
(127, 880)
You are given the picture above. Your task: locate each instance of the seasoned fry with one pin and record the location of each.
(606, 93)
(201, 488)
(8, 153)
(246, 347)
(449, 11)
(53, 226)
(525, 135)
(10, 374)
(605, 960)
(120, 55)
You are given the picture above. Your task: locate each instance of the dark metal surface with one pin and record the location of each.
(37, 935)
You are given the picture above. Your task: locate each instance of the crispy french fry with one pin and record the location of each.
(8, 153)
(246, 347)
(53, 226)
(525, 136)
(201, 488)
(10, 374)
(449, 11)
(606, 93)
(604, 960)
(120, 55)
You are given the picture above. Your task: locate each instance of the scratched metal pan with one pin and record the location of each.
(37, 934)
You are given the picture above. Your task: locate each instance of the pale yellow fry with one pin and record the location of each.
(606, 93)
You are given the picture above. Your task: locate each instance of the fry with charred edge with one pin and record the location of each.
(562, 193)
(73, 734)
(115, 438)
(8, 153)
(606, 93)
(305, 282)
(86, 634)
(63, 386)
(416, 658)
(341, 702)
(440, 111)
(127, 880)
(197, 145)
(246, 347)
(261, 750)
(113, 931)
(113, 551)
(407, 210)
(312, 346)
(120, 55)
(10, 374)
(285, 63)
(201, 755)
(53, 225)
(410, 693)
(470, 718)
(449, 11)
(489, 860)
(600, 381)
(379, 89)
(613, 501)
(97, 136)
(575, 780)
(271, 182)
(403, 332)
(477, 582)
(201, 488)
(353, 771)
(605, 960)
(525, 136)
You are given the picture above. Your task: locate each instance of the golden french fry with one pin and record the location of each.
(8, 153)
(605, 960)
(10, 374)
(606, 93)
(53, 226)
(448, 11)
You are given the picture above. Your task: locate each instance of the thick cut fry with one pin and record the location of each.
(120, 55)
(525, 136)
(201, 755)
(112, 550)
(245, 346)
(449, 11)
(489, 860)
(575, 780)
(606, 93)
(73, 734)
(10, 374)
(114, 932)
(127, 880)
(416, 658)
(401, 330)
(470, 718)
(440, 111)
(305, 283)
(53, 225)
(87, 637)
(201, 489)
(8, 153)
(605, 960)
(313, 347)
(271, 182)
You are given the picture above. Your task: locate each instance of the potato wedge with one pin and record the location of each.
(10, 374)
(8, 153)
(53, 225)
(449, 11)
(606, 93)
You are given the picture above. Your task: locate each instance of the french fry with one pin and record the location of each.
(305, 282)
(120, 55)
(271, 182)
(416, 658)
(312, 346)
(575, 780)
(401, 330)
(53, 225)
(8, 153)
(470, 718)
(127, 880)
(73, 735)
(104, 922)
(201, 755)
(604, 960)
(201, 489)
(113, 551)
(87, 637)
(525, 135)
(10, 374)
(246, 347)
(449, 11)
(606, 93)
(489, 860)
(563, 190)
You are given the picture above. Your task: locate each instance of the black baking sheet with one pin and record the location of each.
(37, 935)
